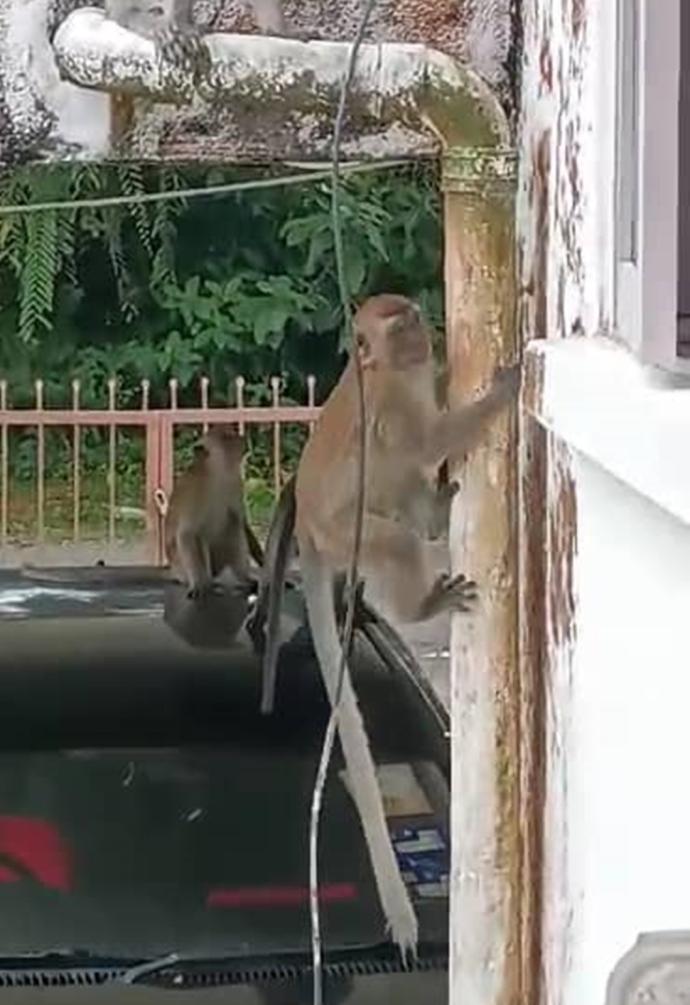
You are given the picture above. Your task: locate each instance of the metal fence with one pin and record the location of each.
(158, 427)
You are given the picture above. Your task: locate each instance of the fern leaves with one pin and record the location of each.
(34, 246)
(42, 248)
(39, 274)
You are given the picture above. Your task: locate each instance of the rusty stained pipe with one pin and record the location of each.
(411, 85)
(485, 965)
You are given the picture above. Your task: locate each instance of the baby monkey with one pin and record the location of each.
(206, 528)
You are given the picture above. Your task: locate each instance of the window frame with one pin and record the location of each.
(646, 188)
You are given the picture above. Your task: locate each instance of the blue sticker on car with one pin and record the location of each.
(422, 854)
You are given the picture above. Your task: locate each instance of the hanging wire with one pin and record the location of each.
(306, 177)
(346, 636)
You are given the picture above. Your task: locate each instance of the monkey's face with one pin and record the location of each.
(393, 335)
(408, 342)
(224, 440)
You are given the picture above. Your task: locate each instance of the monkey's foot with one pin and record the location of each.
(184, 48)
(450, 593)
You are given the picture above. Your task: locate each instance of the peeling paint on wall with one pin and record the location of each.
(558, 895)
(566, 251)
(563, 292)
(532, 664)
(562, 538)
(566, 186)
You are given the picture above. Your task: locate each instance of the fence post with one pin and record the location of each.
(166, 471)
(159, 476)
(153, 516)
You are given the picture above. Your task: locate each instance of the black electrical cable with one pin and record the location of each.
(346, 636)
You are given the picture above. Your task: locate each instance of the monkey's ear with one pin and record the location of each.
(363, 350)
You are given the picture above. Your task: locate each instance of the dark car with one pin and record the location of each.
(147, 808)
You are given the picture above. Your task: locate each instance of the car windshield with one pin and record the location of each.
(147, 807)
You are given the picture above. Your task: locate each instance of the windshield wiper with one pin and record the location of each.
(295, 962)
(134, 974)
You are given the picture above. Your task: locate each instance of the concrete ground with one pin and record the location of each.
(428, 640)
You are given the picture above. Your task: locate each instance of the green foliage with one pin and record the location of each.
(240, 284)
(41, 253)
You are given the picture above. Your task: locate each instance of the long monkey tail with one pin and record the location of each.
(401, 920)
(272, 584)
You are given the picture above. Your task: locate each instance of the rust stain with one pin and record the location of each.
(532, 701)
(533, 572)
(533, 383)
(560, 305)
(532, 619)
(546, 65)
(562, 550)
(508, 838)
(578, 15)
(572, 150)
(541, 159)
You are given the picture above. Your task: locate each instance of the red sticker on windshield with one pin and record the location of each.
(278, 896)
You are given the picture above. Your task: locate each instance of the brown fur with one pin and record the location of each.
(408, 437)
(206, 530)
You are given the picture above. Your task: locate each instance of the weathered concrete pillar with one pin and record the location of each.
(480, 318)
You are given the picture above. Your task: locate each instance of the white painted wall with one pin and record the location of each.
(617, 804)
(621, 750)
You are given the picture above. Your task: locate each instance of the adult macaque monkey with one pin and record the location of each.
(428, 508)
(410, 490)
(407, 440)
(206, 528)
